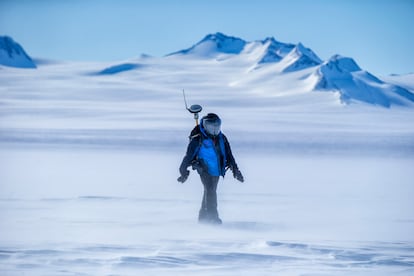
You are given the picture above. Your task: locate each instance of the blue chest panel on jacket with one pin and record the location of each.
(209, 155)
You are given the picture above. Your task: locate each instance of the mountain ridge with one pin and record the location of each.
(212, 43)
(338, 73)
(344, 75)
(262, 60)
(12, 54)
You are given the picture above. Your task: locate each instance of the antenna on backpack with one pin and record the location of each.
(194, 109)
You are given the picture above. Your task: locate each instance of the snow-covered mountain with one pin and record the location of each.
(264, 63)
(338, 74)
(273, 50)
(344, 75)
(300, 58)
(213, 44)
(13, 55)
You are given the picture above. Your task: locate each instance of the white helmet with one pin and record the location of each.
(211, 124)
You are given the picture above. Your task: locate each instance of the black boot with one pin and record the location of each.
(203, 215)
(216, 220)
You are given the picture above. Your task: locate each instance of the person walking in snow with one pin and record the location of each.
(210, 154)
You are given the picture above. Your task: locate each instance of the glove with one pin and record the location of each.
(238, 175)
(198, 166)
(183, 176)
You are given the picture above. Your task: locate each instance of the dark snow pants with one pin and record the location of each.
(208, 212)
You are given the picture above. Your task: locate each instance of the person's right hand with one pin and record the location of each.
(183, 176)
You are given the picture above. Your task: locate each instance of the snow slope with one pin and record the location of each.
(119, 68)
(300, 58)
(276, 49)
(338, 74)
(344, 74)
(13, 55)
(89, 164)
(406, 81)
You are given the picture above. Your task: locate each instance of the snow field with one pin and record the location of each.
(89, 162)
(122, 212)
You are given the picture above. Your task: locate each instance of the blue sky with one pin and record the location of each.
(378, 34)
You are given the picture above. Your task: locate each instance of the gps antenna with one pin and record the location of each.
(194, 109)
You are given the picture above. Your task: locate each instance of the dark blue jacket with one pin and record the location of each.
(222, 147)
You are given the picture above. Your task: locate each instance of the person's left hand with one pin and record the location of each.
(238, 175)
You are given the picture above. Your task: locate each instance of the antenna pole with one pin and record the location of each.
(195, 108)
(185, 101)
(196, 118)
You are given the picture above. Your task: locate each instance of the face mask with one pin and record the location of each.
(212, 127)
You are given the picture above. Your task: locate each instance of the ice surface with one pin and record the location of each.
(113, 212)
(89, 166)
